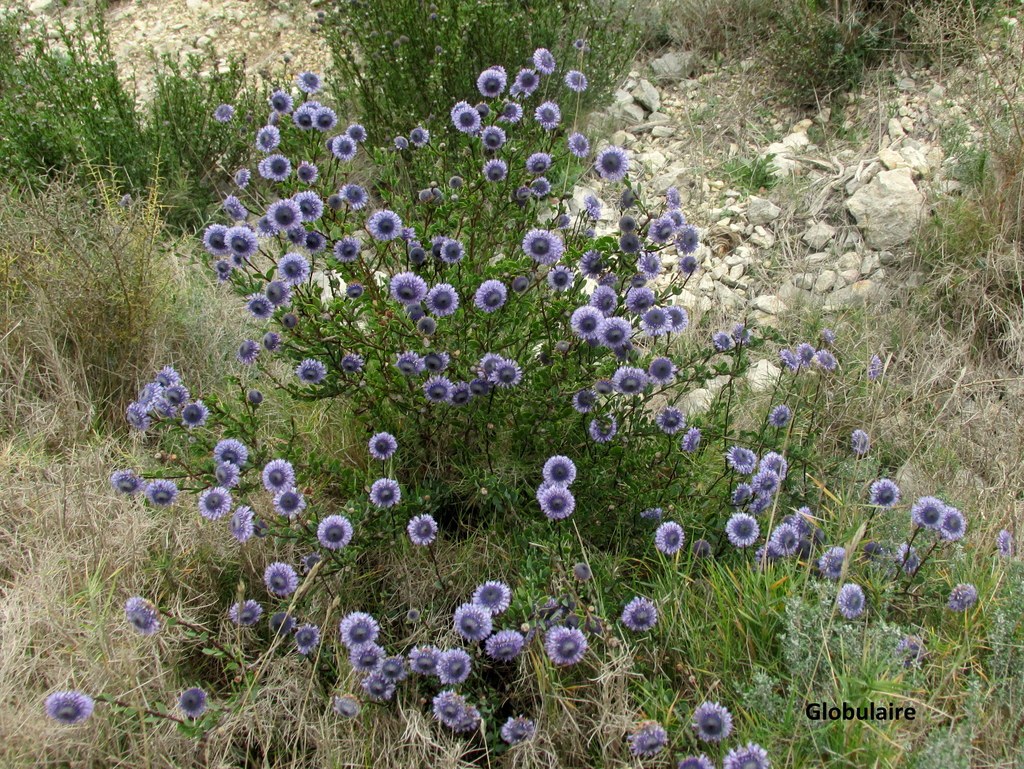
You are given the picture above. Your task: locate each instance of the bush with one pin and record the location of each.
(64, 109)
(399, 62)
(464, 432)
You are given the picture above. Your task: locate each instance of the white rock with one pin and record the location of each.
(825, 282)
(769, 304)
(891, 159)
(818, 235)
(763, 375)
(895, 130)
(917, 162)
(674, 66)
(856, 294)
(888, 209)
(647, 96)
(762, 237)
(761, 210)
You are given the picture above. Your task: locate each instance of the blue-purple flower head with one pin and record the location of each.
(126, 482)
(161, 492)
(495, 170)
(538, 163)
(780, 415)
(215, 503)
(384, 225)
(543, 247)
(750, 756)
(556, 501)
(223, 113)
(366, 657)
(465, 118)
(491, 82)
(640, 614)
(517, 730)
(505, 645)
(1004, 543)
(280, 579)
(382, 446)
(308, 82)
(669, 538)
(307, 638)
(860, 442)
(830, 564)
(68, 707)
(358, 628)
(576, 81)
(385, 492)
(603, 430)
(494, 596)
(850, 600)
(473, 622)
(559, 470)
(612, 164)
(422, 530)
(311, 371)
(454, 667)
(927, 512)
(884, 493)
(579, 145)
(743, 461)
(424, 660)
(192, 702)
(548, 115)
(525, 84)
(334, 532)
(874, 368)
(742, 530)
(962, 597)
(490, 296)
(565, 645)
(246, 613)
(544, 61)
(712, 722)
(648, 738)
(142, 615)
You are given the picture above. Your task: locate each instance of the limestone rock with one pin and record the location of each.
(647, 96)
(763, 375)
(674, 66)
(761, 211)
(888, 209)
(819, 235)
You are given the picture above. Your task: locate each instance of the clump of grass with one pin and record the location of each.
(751, 174)
(94, 294)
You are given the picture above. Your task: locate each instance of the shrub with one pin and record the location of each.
(65, 109)
(398, 61)
(525, 479)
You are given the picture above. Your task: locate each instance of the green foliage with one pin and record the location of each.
(400, 63)
(812, 55)
(751, 174)
(63, 109)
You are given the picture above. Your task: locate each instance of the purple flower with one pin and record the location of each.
(825, 360)
(494, 596)
(687, 239)
(691, 440)
(268, 138)
(366, 657)
(559, 470)
(422, 530)
(308, 82)
(874, 368)
(307, 172)
(962, 597)
(214, 503)
(543, 247)
(491, 82)
(450, 708)
(126, 482)
(518, 729)
(712, 722)
(780, 416)
(384, 225)
(358, 628)
(454, 667)
(382, 446)
(830, 565)
(752, 756)
(538, 163)
(242, 526)
(612, 164)
(465, 118)
(695, 762)
(280, 579)
(424, 660)
(356, 133)
(161, 492)
(275, 168)
(579, 146)
(419, 137)
(742, 530)
(473, 622)
(576, 81)
(648, 739)
(544, 61)
(385, 492)
(603, 430)
(334, 532)
(142, 615)
(354, 195)
(505, 645)
(495, 170)
(311, 371)
(640, 614)
(583, 401)
(860, 442)
(490, 296)
(192, 702)
(278, 475)
(1004, 543)
(743, 461)
(884, 493)
(311, 207)
(511, 113)
(927, 512)
(68, 707)
(850, 600)
(307, 638)
(223, 113)
(785, 539)
(293, 269)
(669, 538)
(556, 501)
(564, 645)
(548, 115)
(246, 613)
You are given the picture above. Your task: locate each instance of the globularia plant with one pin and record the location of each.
(501, 365)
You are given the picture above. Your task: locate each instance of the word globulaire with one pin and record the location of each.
(822, 711)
